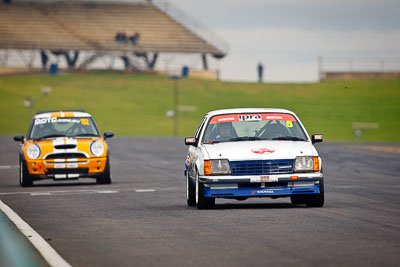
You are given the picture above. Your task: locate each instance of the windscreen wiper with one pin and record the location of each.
(215, 142)
(290, 138)
(50, 136)
(246, 138)
(84, 134)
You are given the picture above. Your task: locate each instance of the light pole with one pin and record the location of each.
(175, 78)
(29, 102)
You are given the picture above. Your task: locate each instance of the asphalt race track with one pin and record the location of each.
(142, 218)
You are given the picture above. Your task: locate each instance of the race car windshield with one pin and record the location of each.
(252, 127)
(43, 128)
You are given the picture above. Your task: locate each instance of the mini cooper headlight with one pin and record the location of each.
(217, 167)
(306, 164)
(96, 148)
(33, 152)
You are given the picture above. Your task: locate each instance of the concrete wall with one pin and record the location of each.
(194, 73)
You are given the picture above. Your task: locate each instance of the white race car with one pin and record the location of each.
(253, 152)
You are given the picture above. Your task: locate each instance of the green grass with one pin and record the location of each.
(135, 105)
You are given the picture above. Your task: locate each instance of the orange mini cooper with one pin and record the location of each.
(63, 145)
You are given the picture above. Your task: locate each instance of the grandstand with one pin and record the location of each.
(59, 28)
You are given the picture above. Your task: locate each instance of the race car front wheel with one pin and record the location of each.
(190, 191)
(105, 177)
(202, 202)
(316, 200)
(299, 199)
(24, 178)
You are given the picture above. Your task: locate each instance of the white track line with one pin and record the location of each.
(48, 253)
(41, 194)
(6, 167)
(83, 192)
(144, 190)
(72, 192)
(107, 191)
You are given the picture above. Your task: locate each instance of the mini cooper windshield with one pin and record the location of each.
(249, 127)
(43, 128)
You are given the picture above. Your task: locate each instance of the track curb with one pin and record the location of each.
(46, 251)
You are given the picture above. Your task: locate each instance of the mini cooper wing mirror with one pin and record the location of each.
(316, 138)
(190, 141)
(18, 138)
(108, 134)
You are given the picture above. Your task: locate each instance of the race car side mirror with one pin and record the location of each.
(190, 141)
(108, 134)
(18, 138)
(317, 138)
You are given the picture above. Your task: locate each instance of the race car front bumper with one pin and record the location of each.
(281, 185)
(66, 168)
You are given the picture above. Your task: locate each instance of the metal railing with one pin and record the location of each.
(358, 64)
(192, 24)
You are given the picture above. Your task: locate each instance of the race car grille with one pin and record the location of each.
(66, 146)
(261, 167)
(256, 185)
(67, 170)
(69, 155)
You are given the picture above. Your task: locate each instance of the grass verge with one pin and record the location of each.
(136, 105)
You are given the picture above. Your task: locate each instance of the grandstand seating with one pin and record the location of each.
(22, 26)
(83, 26)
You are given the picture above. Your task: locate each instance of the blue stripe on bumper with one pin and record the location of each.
(260, 192)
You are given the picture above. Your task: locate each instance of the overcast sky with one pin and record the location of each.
(289, 35)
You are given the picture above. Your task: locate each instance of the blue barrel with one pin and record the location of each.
(185, 71)
(53, 69)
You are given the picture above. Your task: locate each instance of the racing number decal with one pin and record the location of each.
(85, 121)
(289, 124)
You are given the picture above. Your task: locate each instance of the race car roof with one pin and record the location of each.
(249, 110)
(76, 114)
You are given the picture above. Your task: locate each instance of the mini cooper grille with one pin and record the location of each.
(64, 146)
(70, 155)
(261, 167)
(67, 171)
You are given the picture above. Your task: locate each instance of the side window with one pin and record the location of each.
(198, 131)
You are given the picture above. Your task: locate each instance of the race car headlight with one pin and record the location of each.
(33, 152)
(216, 167)
(96, 148)
(306, 164)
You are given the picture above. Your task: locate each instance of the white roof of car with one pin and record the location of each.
(73, 114)
(249, 110)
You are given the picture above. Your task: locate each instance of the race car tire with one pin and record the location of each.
(316, 200)
(299, 199)
(190, 191)
(105, 177)
(25, 179)
(202, 202)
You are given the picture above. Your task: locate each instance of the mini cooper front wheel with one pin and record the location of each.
(105, 177)
(25, 179)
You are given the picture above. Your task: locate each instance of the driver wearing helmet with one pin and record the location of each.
(46, 129)
(225, 131)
